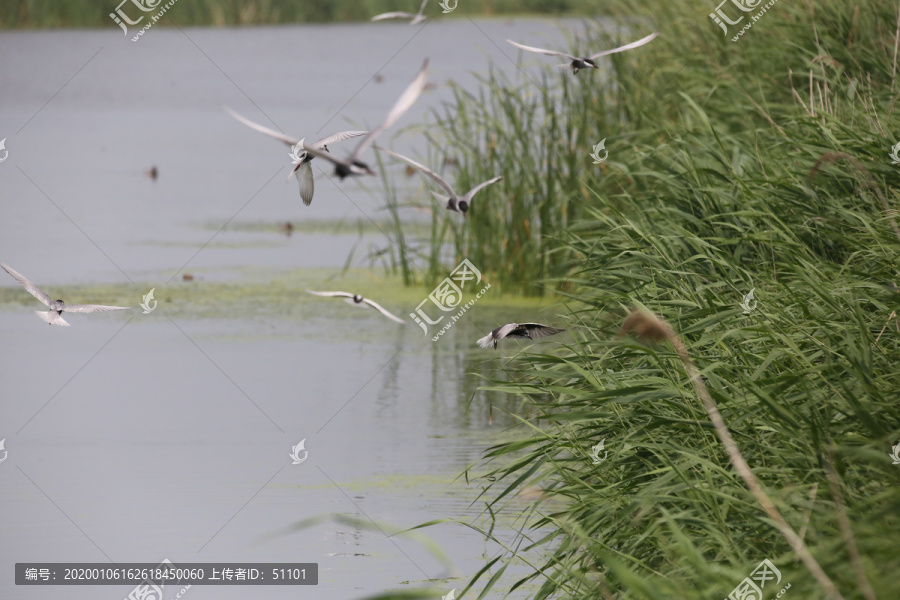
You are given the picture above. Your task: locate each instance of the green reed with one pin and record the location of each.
(761, 164)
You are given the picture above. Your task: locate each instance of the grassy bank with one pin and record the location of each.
(31, 14)
(761, 164)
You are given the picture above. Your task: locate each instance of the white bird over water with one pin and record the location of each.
(358, 300)
(57, 307)
(518, 330)
(454, 201)
(586, 62)
(299, 151)
(415, 18)
(352, 165)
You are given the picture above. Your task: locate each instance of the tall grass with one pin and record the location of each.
(538, 132)
(761, 165)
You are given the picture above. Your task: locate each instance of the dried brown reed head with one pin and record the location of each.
(647, 327)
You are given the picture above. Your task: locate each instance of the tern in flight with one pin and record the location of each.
(585, 62)
(358, 300)
(415, 18)
(57, 307)
(454, 201)
(299, 151)
(352, 165)
(518, 330)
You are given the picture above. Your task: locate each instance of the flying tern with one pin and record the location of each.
(518, 330)
(585, 62)
(454, 201)
(299, 153)
(415, 18)
(358, 300)
(57, 307)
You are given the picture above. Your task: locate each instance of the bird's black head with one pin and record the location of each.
(463, 206)
(341, 171)
(357, 298)
(354, 168)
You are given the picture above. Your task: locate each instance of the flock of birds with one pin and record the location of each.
(352, 165)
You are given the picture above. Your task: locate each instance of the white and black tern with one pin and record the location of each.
(299, 152)
(57, 307)
(415, 19)
(358, 300)
(518, 330)
(454, 201)
(586, 62)
(352, 165)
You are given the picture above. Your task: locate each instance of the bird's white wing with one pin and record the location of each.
(260, 128)
(393, 15)
(636, 44)
(331, 294)
(307, 185)
(30, 287)
(541, 50)
(52, 317)
(89, 308)
(422, 8)
(445, 200)
(506, 330)
(407, 99)
(337, 137)
(471, 193)
(381, 309)
(440, 180)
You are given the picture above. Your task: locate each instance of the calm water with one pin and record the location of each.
(136, 437)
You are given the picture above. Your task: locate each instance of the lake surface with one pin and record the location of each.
(133, 437)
